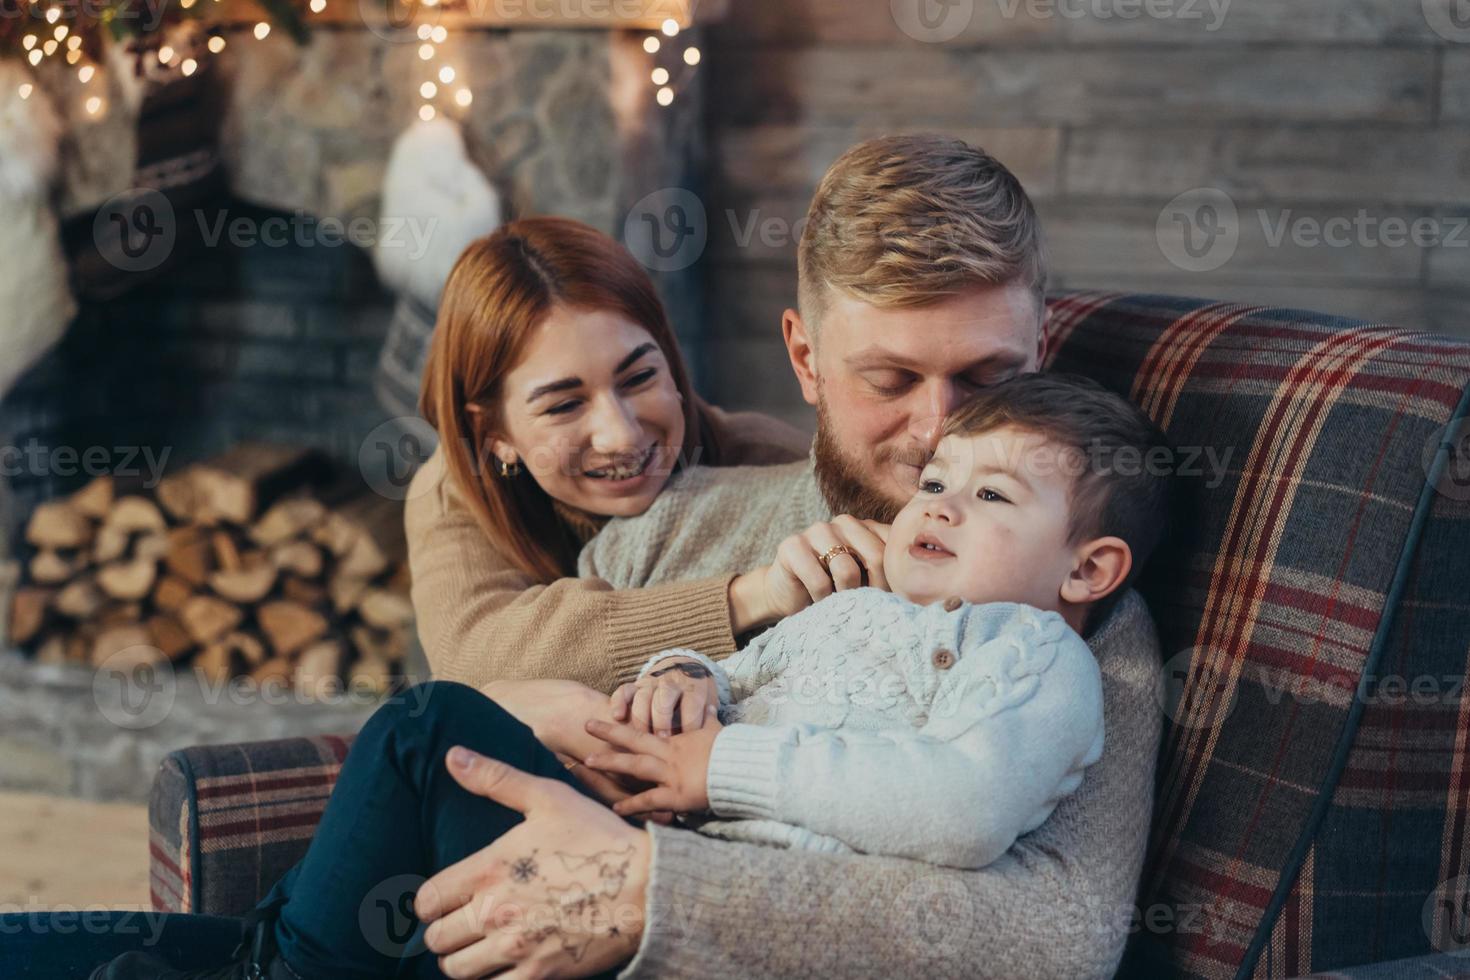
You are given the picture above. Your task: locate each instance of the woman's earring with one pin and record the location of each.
(508, 470)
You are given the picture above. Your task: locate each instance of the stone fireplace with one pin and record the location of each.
(283, 340)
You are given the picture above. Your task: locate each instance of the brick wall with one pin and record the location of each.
(1305, 114)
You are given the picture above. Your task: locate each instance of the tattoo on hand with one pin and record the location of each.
(524, 869)
(696, 671)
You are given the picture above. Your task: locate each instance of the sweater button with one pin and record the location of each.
(952, 603)
(943, 659)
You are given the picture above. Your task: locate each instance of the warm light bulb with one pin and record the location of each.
(29, 42)
(165, 54)
(665, 96)
(692, 56)
(426, 112)
(94, 106)
(73, 56)
(425, 32)
(671, 28)
(61, 32)
(261, 30)
(26, 88)
(186, 4)
(426, 51)
(189, 67)
(651, 45)
(74, 42)
(463, 98)
(428, 90)
(216, 44)
(85, 73)
(660, 76)
(439, 35)
(53, 15)
(34, 57)
(49, 47)
(317, 6)
(446, 74)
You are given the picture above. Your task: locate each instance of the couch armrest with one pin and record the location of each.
(226, 821)
(1437, 966)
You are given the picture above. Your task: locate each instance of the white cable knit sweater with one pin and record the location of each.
(869, 723)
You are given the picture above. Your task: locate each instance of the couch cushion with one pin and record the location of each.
(1273, 602)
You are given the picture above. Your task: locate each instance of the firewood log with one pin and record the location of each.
(389, 646)
(246, 646)
(170, 593)
(304, 591)
(136, 515)
(345, 593)
(28, 611)
(57, 525)
(237, 484)
(226, 552)
(298, 557)
(169, 635)
(370, 675)
(54, 567)
(189, 555)
(385, 610)
(52, 650)
(215, 663)
(176, 493)
(247, 584)
(128, 580)
(110, 544)
(79, 643)
(119, 614)
(275, 671)
(289, 626)
(207, 618)
(130, 645)
(319, 670)
(287, 520)
(81, 598)
(95, 499)
(152, 545)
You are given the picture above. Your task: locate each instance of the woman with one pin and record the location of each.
(560, 399)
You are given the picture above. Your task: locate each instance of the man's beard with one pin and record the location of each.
(847, 485)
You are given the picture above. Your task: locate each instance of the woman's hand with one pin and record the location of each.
(671, 697)
(796, 579)
(677, 768)
(556, 711)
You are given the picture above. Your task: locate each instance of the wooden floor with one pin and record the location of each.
(61, 853)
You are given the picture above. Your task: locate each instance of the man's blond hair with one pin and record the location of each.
(906, 221)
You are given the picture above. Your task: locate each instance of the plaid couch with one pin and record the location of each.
(1314, 786)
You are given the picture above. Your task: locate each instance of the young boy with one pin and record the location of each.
(944, 719)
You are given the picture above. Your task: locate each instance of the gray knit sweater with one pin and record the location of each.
(869, 723)
(1057, 904)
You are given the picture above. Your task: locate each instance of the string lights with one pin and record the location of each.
(666, 84)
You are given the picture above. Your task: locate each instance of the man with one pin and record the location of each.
(921, 280)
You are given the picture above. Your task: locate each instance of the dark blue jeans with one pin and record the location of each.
(395, 818)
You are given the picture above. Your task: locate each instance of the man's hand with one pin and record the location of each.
(797, 578)
(560, 895)
(677, 766)
(670, 698)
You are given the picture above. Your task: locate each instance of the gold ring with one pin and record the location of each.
(840, 549)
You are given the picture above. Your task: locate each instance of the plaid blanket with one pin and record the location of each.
(1312, 799)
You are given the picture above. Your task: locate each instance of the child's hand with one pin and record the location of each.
(678, 687)
(678, 767)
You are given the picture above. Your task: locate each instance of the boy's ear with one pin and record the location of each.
(1102, 565)
(803, 354)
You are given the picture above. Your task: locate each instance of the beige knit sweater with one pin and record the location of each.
(1057, 904)
(481, 619)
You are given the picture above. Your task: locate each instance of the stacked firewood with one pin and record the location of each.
(257, 563)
